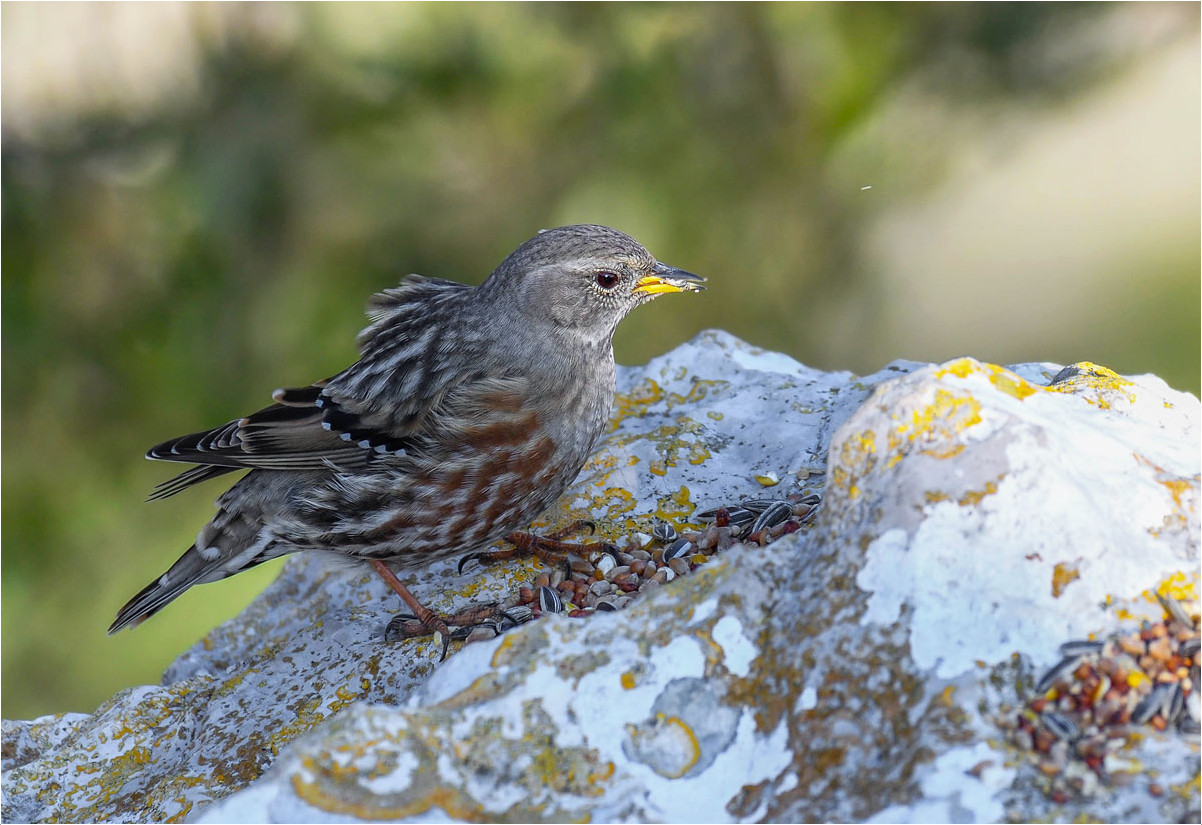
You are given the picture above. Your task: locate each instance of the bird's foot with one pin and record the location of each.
(475, 624)
(550, 548)
(489, 619)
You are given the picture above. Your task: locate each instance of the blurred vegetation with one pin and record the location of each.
(167, 265)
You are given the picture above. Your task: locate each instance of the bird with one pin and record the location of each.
(469, 412)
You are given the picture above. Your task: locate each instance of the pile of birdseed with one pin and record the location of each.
(614, 576)
(1093, 703)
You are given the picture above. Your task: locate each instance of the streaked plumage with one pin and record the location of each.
(469, 412)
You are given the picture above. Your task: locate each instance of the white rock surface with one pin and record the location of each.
(974, 519)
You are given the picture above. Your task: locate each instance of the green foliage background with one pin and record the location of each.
(165, 267)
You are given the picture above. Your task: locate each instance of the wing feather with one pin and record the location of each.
(374, 407)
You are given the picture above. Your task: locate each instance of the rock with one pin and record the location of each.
(873, 665)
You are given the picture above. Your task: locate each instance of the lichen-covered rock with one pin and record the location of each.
(879, 663)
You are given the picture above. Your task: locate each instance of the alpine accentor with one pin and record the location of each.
(469, 412)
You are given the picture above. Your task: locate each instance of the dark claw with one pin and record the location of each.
(591, 525)
(469, 557)
(611, 551)
(403, 626)
(446, 646)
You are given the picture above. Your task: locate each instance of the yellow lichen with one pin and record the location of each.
(1001, 378)
(1106, 385)
(1062, 575)
(941, 421)
(974, 497)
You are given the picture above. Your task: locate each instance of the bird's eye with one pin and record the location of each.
(606, 280)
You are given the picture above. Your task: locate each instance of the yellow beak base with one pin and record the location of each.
(652, 285)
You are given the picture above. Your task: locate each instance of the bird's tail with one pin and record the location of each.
(192, 568)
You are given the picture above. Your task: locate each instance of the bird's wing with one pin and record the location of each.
(279, 437)
(373, 407)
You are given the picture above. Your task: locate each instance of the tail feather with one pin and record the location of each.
(155, 596)
(192, 568)
(193, 475)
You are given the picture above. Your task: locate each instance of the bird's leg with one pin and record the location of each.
(425, 621)
(550, 548)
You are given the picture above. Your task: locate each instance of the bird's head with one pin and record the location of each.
(585, 278)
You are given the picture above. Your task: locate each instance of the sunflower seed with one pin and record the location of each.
(1065, 666)
(1059, 725)
(663, 532)
(678, 549)
(1174, 704)
(1175, 610)
(518, 614)
(1081, 648)
(738, 514)
(549, 600)
(1153, 703)
(772, 515)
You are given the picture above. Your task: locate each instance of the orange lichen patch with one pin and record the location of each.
(961, 368)
(974, 497)
(941, 421)
(1062, 575)
(601, 466)
(307, 715)
(672, 442)
(1189, 789)
(893, 449)
(1180, 586)
(675, 507)
(638, 401)
(857, 457)
(1002, 379)
(697, 392)
(617, 501)
(1096, 384)
(934, 428)
(935, 496)
(668, 746)
(627, 680)
(324, 794)
(507, 648)
(946, 697)
(1184, 490)
(635, 403)
(1179, 486)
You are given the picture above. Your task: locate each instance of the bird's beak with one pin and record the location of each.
(669, 279)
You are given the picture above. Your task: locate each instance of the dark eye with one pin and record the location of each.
(606, 280)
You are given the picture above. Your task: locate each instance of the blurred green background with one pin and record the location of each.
(198, 200)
